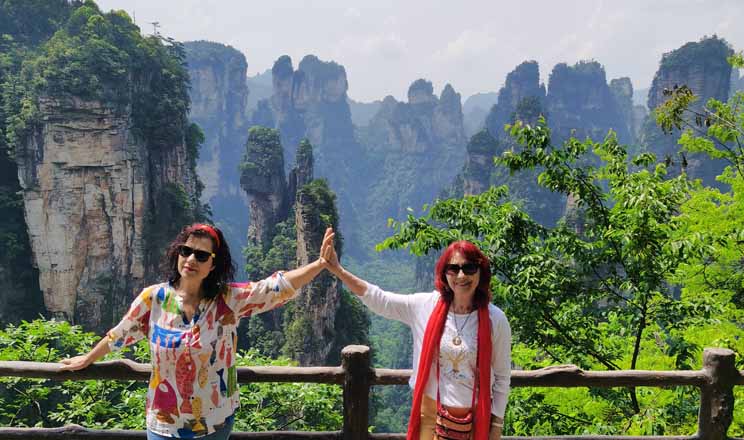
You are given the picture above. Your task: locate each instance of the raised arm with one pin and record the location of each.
(387, 304)
(330, 260)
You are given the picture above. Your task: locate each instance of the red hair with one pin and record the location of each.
(473, 255)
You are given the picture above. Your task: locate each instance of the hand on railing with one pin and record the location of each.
(75, 363)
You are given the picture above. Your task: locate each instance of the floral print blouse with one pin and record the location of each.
(193, 386)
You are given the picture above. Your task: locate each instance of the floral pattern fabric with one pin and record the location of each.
(193, 386)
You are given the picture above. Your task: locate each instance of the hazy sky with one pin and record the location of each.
(385, 45)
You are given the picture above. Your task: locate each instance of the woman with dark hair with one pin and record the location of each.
(461, 345)
(191, 322)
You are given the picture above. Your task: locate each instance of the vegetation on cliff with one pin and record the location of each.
(289, 331)
(66, 52)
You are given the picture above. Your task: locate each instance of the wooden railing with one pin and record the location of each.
(715, 381)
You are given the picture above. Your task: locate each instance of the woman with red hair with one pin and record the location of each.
(461, 345)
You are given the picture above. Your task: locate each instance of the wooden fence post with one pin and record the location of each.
(717, 396)
(355, 361)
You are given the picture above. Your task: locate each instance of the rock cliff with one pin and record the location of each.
(703, 67)
(522, 86)
(622, 92)
(20, 296)
(311, 102)
(218, 104)
(475, 109)
(89, 190)
(262, 178)
(412, 148)
(311, 328)
(105, 164)
(84, 198)
(580, 102)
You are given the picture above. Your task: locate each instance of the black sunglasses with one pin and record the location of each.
(467, 268)
(201, 256)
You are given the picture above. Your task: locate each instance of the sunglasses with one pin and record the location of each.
(201, 256)
(467, 268)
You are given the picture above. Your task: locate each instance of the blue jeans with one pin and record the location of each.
(222, 434)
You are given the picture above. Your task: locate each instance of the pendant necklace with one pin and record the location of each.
(457, 340)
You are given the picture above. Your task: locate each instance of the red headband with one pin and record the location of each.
(208, 229)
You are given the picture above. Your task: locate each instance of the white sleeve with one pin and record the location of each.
(500, 362)
(390, 305)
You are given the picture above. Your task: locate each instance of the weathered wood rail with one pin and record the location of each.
(715, 380)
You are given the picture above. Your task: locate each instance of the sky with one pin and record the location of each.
(385, 45)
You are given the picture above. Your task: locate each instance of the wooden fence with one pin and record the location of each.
(715, 381)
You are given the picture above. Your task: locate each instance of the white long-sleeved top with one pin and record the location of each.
(457, 362)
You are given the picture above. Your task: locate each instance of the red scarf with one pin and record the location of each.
(430, 348)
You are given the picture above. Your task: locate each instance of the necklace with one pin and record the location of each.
(457, 340)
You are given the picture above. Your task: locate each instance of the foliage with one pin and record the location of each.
(46, 403)
(263, 155)
(261, 261)
(278, 406)
(33, 21)
(70, 50)
(716, 129)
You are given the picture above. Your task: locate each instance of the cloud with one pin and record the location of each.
(387, 45)
(468, 43)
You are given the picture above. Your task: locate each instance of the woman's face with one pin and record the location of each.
(460, 282)
(189, 267)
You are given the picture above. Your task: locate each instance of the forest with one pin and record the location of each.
(615, 236)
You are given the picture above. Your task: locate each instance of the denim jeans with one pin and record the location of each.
(222, 434)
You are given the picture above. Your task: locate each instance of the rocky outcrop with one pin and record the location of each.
(476, 172)
(703, 67)
(317, 303)
(309, 328)
(521, 98)
(522, 86)
(622, 91)
(580, 103)
(311, 102)
(218, 104)
(424, 125)
(412, 148)
(302, 173)
(362, 112)
(262, 178)
(83, 181)
(87, 188)
(737, 82)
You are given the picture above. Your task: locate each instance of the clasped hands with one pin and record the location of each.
(328, 257)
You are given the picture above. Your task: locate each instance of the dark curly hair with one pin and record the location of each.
(224, 270)
(474, 255)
